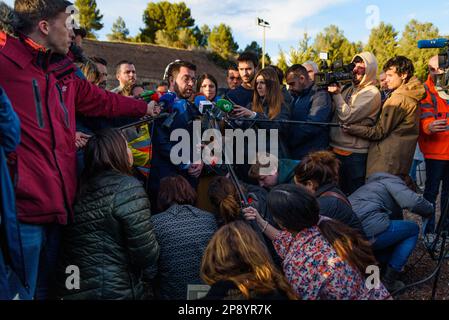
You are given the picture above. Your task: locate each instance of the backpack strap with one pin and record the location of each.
(336, 195)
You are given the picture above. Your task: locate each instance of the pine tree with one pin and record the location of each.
(221, 41)
(119, 31)
(383, 43)
(282, 60)
(167, 17)
(304, 52)
(258, 50)
(333, 41)
(202, 35)
(90, 17)
(413, 32)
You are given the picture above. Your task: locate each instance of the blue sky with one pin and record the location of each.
(289, 18)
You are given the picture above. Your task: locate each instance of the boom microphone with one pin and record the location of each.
(432, 44)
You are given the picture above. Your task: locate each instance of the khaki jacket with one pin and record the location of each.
(394, 137)
(364, 107)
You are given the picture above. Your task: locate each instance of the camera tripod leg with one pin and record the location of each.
(440, 265)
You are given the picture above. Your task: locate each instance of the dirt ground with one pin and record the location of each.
(420, 266)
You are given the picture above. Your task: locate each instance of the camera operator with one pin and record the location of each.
(355, 104)
(310, 104)
(394, 136)
(434, 140)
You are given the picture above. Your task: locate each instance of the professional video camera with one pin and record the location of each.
(336, 73)
(442, 83)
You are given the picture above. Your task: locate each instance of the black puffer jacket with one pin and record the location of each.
(111, 241)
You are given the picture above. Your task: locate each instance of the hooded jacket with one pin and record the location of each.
(394, 137)
(364, 104)
(46, 93)
(383, 197)
(287, 171)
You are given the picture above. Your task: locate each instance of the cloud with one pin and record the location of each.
(284, 16)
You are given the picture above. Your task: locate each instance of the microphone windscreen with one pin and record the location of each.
(225, 106)
(431, 44)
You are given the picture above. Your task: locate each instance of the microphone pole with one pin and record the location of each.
(312, 123)
(146, 119)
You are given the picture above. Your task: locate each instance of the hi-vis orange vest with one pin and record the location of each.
(434, 146)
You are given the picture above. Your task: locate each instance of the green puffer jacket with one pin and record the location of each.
(111, 241)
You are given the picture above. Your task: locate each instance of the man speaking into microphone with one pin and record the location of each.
(182, 80)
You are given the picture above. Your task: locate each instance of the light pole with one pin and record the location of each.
(264, 24)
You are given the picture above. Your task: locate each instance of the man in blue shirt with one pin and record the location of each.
(242, 96)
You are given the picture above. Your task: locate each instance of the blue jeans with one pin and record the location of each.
(352, 172)
(4, 283)
(399, 240)
(437, 171)
(414, 169)
(40, 248)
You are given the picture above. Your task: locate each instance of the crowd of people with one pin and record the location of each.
(87, 186)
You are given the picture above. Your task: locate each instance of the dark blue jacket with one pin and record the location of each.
(336, 208)
(9, 140)
(313, 104)
(240, 96)
(183, 233)
(161, 164)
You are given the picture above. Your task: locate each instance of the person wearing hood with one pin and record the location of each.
(434, 140)
(378, 205)
(357, 103)
(270, 171)
(394, 136)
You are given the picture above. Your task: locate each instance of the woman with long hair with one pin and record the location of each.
(226, 201)
(111, 239)
(183, 233)
(322, 258)
(238, 266)
(268, 104)
(227, 206)
(319, 173)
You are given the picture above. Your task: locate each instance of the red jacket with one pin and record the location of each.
(434, 146)
(46, 93)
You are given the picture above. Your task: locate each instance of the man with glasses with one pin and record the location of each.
(182, 80)
(358, 103)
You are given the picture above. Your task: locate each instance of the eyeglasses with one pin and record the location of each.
(187, 80)
(234, 78)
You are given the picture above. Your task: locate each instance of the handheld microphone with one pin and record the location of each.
(432, 44)
(225, 105)
(202, 103)
(167, 100)
(149, 96)
(178, 107)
